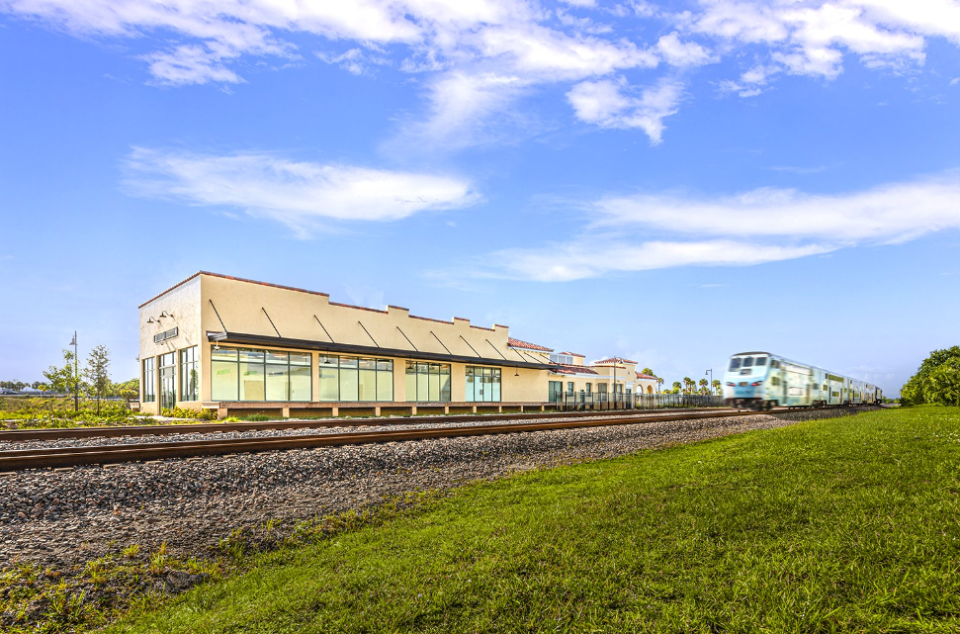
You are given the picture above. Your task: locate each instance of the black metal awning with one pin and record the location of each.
(372, 351)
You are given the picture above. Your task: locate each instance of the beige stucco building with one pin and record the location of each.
(240, 346)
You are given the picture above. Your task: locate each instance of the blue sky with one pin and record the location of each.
(668, 182)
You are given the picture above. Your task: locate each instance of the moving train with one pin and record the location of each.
(760, 380)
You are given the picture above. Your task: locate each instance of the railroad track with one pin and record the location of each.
(59, 457)
(21, 435)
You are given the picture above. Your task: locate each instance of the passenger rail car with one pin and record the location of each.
(760, 380)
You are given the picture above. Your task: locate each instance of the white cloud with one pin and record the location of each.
(890, 213)
(604, 103)
(354, 61)
(304, 196)
(643, 232)
(207, 42)
(582, 259)
(679, 53)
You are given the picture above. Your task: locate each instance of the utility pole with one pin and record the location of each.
(76, 374)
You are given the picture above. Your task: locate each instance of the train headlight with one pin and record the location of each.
(730, 384)
(756, 383)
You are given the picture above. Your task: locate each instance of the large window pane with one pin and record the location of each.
(384, 386)
(276, 356)
(435, 387)
(149, 380)
(423, 384)
(278, 383)
(367, 389)
(297, 358)
(329, 383)
(251, 356)
(349, 388)
(469, 393)
(411, 381)
(224, 380)
(223, 354)
(301, 388)
(189, 375)
(252, 381)
(445, 387)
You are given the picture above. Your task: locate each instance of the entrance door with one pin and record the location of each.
(168, 381)
(554, 391)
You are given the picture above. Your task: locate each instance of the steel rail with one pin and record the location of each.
(59, 433)
(57, 457)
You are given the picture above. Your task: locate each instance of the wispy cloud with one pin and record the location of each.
(302, 195)
(608, 104)
(460, 46)
(755, 227)
(582, 259)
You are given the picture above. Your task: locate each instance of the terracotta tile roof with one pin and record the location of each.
(574, 354)
(640, 375)
(572, 369)
(526, 345)
(613, 360)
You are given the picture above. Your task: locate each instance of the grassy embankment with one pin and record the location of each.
(841, 525)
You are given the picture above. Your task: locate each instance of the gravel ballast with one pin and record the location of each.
(65, 517)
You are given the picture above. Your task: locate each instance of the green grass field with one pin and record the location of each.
(843, 525)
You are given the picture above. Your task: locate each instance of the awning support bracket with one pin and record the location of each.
(408, 340)
(471, 347)
(271, 321)
(441, 343)
(324, 329)
(495, 349)
(368, 333)
(217, 313)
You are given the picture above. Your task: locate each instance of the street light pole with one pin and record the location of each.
(76, 374)
(710, 372)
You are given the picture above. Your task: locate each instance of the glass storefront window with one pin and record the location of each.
(149, 381)
(483, 384)
(355, 379)
(260, 375)
(428, 382)
(189, 375)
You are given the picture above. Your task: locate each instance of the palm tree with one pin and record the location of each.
(688, 385)
(717, 387)
(659, 383)
(704, 387)
(676, 387)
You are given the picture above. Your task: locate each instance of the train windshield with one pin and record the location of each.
(761, 361)
(748, 362)
(734, 364)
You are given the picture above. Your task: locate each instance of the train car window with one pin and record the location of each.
(734, 364)
(761, 361)
(775, 381)
(748, 362)
(774, 364)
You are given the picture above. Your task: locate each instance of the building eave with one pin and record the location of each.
(325, 346)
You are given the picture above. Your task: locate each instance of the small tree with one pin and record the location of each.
(97, 373)
(704, 387)
(676, 387)
(64, 378)
(717, 387)
(688, 385)
(659, 384)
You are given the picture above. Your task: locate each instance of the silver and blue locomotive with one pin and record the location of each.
(760, 380)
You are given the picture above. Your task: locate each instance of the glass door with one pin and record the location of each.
(168, 381)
